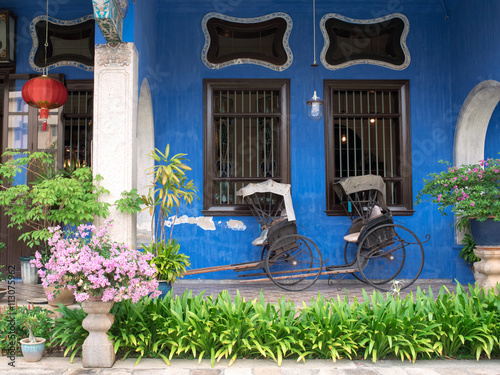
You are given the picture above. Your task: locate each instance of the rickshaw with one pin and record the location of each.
(377, 251)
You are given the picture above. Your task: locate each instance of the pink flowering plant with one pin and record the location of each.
(89, 263)
(471, 191)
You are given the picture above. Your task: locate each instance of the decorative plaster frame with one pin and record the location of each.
(340, 17)
(55, 21)
(286, 36)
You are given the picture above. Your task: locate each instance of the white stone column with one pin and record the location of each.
(115, 123)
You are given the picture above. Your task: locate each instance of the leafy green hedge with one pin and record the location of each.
(466, 322)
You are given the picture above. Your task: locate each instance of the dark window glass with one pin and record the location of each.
(367, 131)
(78, 123)
(65, 43)
(246, 139)
(259, 41)
(374, 41)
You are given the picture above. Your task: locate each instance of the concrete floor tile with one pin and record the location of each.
(238, 371)
(299, 371)
(267, 371)
(361, 371)
(207, 372)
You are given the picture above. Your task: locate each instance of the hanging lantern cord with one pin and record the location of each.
(314, 65)
(46, 44)
(314, 32)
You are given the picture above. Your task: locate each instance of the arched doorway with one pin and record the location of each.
(145, 144)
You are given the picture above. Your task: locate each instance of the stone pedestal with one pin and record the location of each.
(487, 271)
(97, 349)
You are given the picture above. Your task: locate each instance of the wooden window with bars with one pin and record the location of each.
(367, 131)
(78, 112)
(247, 137)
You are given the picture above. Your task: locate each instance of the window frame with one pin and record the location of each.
(76, 86)
(375, 23)
(71, 60)
(403, 86)
(211, 85)
(249, 24)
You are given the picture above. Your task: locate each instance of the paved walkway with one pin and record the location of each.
(271, 292)
(49, 366)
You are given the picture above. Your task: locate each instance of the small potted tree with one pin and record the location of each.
(37, 322)
(169, 190)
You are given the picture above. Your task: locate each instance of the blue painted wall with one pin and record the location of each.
(26, 11)
(171, 52)
(475, 52)
(449, 57)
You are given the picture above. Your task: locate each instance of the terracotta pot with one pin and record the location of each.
(65, 296)
(32, 352)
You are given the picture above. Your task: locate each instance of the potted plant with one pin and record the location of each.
(100, 272)
(169, 263)
(472, 192)
(169, 190)
(53, 198)
(90, 264)
(37, 323)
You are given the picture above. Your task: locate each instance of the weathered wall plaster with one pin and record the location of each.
(236, 225)
(205, 222)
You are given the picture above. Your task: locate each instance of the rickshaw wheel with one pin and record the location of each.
(390, 257)
(263, 256)
(294, 262)
(350, 251)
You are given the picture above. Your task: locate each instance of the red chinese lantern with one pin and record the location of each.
(44, 93)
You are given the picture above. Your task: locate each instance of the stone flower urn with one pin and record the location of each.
(97, 349)
(486, 234)
(488, 268)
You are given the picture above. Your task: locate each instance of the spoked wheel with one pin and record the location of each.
(350, 251)
(263, 256)
(390, 257)
(294, 262)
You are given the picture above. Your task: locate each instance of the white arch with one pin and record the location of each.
(473, 120)
(145, 144)
(472, 125)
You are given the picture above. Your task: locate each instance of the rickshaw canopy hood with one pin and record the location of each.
(274, 187)
(351, 185)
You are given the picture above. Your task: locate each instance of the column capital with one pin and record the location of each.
(114, 54)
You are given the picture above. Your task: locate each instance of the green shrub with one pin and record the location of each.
(465, 321)
(331, 329)
(382, 326)
(69, 333)
(14, 318)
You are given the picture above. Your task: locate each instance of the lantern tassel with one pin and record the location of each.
(44, 114)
